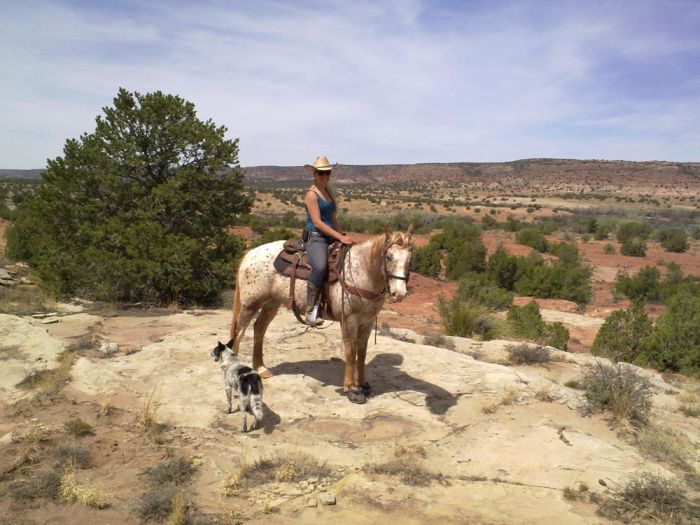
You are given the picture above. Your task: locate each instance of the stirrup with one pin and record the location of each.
(312, 318)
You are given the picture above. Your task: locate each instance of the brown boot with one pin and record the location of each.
(313, 317)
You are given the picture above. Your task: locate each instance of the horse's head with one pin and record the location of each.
(397, 261)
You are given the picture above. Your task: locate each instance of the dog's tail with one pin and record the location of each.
(236, 313)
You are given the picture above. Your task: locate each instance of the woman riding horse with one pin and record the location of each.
(323, 230)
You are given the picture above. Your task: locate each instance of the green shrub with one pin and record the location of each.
(502, 269)
(644, 286)
(426, 261)
(469, 256)
(633, 230)
(674, 344)
(275, 235)
(482, 291)
(609, 249)
(622, 335)
(634, 248)
(567, 253)
(465, 319)
(527, 323)
(532, 237)
(674, 240)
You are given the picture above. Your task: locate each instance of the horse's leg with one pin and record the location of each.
(362, 338)
(350, 346)
(239, 325)
(265, 317)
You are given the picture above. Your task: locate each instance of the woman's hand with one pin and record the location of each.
(345, 239)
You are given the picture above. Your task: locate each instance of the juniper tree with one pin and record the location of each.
(139, 208)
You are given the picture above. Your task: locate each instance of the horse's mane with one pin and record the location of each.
(380, 242)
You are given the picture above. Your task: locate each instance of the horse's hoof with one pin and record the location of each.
(264, 373)
(355, 395)
(366, 389)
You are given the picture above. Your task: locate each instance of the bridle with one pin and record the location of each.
(367, 294)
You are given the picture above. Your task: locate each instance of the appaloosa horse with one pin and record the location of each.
(371, 269)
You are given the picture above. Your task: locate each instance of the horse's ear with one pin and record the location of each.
(410, 229)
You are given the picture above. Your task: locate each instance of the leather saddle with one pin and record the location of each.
(294, 261)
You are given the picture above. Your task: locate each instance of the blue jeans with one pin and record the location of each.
(317, 248)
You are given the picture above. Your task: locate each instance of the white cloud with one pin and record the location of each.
(363, 82)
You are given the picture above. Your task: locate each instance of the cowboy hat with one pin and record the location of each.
(320, 164)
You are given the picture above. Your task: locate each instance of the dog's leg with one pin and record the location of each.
(242, 402)
(228, 398)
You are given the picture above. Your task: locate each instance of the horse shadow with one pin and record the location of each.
(385, 376)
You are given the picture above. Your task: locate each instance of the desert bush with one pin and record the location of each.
(479, 289)
(556, 280)
(502, 269)
(674, 343)
(41, 484)
(633, 230)
(80, 457)
(634, 248)
(622, 335)
(665, 445)
(156, 504)
(274, 235)
(77, 427)
(567, 253)
(525, 354)
(465, 319)
(620, 390)
(644, 286)
(532, 237)
(469, 256)
(176, 471)
(674, 240)
(138, 209)
(527, 322)
(646, 495)
(438, 340)
(609, 249)
(426, 261)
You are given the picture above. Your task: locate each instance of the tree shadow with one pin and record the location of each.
(384, 374)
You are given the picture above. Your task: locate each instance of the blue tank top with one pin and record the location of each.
(327, 208)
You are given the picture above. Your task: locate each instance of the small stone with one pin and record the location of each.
(326, 498)
(312, 502)
(108, 349)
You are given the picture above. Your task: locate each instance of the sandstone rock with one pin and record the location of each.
(312, 502)
(109, 349)
(326, 498)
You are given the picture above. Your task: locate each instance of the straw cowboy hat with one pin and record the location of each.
(320, 164)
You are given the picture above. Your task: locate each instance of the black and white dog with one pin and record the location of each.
(241, 381)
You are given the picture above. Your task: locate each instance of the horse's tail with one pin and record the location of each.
(236, 312)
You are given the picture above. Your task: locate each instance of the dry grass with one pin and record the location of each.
(665, 445)
(546, 395)
(80, 457)
(25, 300)
(293, 466)
(106, 407)
(408, 469)
(148, 420)
(157, 503)
(50, 382)
(689, 404)
(526, 354)
(180, 510)
(438, 340)
(409, 450)
(74, 492)
(509, 397)
(574, 493)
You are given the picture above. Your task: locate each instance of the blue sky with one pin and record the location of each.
(365, 82)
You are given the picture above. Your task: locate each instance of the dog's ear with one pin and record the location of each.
(229, 344)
